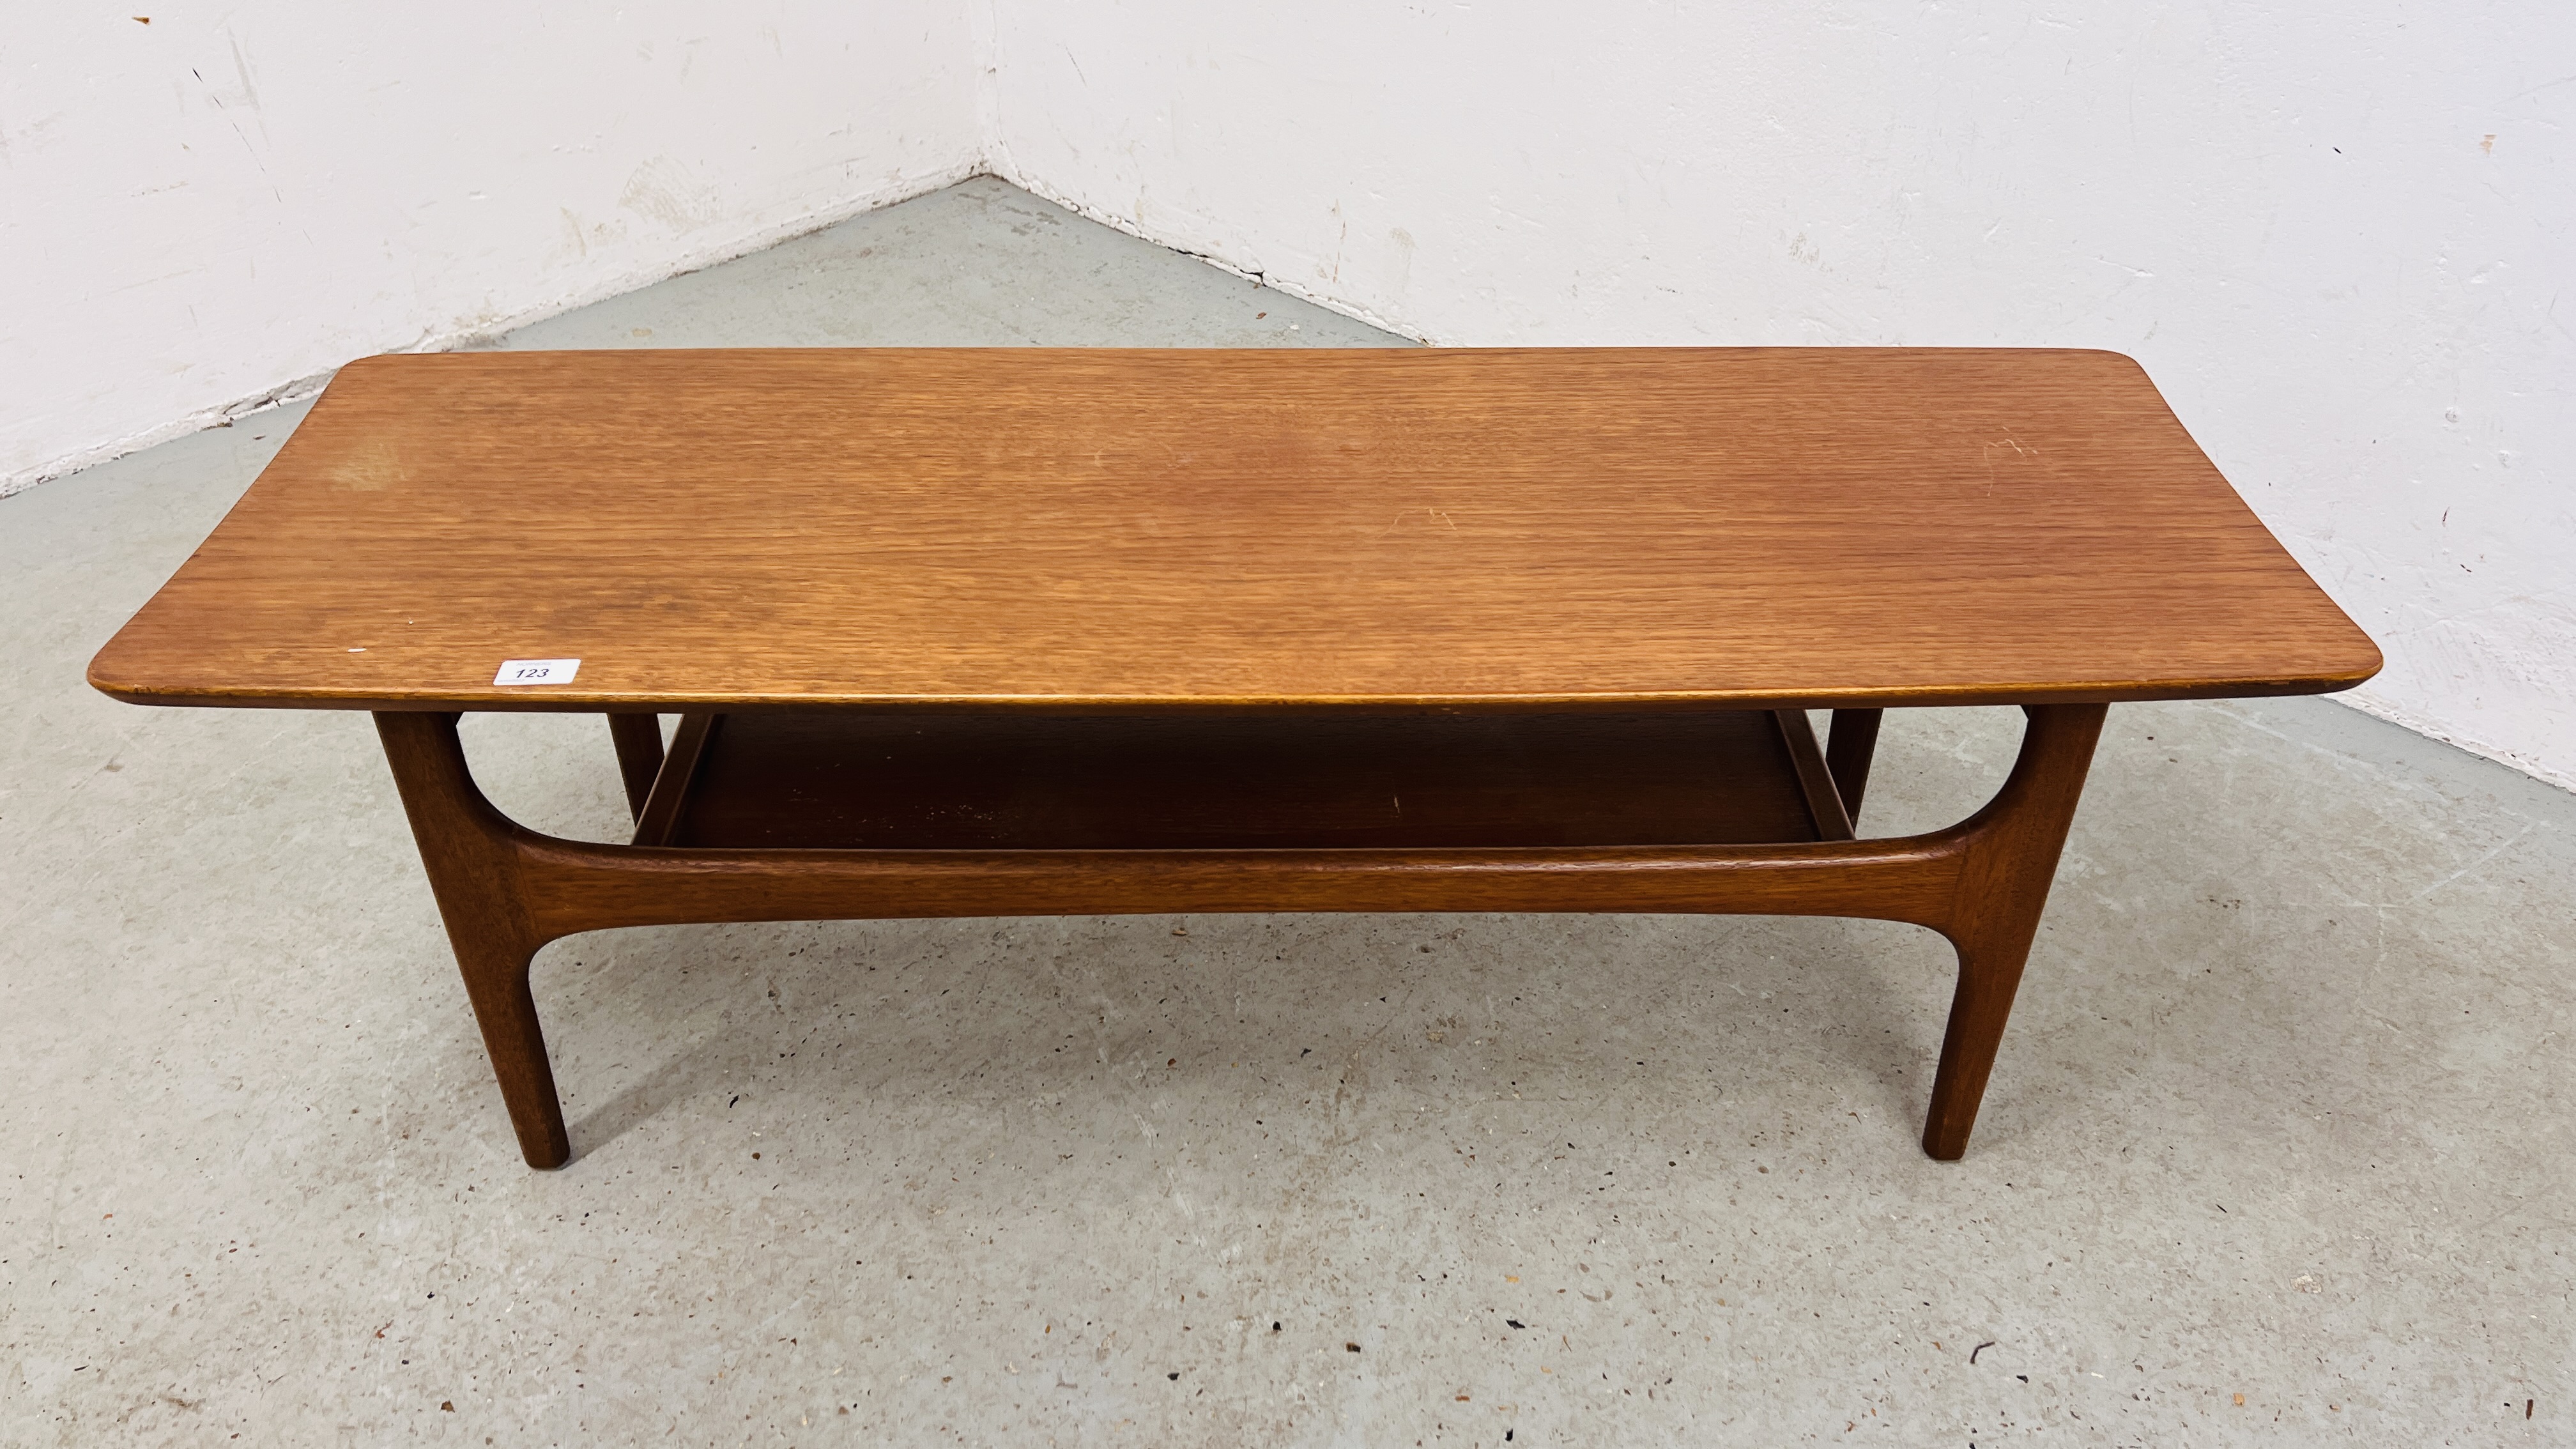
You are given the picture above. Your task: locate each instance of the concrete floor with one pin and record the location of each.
(2279, 1149)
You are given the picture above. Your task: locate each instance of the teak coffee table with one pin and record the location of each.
(985, 633)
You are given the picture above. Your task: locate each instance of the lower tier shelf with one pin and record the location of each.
(910, 781)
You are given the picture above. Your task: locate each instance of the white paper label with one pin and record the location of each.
(537, 671)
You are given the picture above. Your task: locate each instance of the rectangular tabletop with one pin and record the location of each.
(1102, 528)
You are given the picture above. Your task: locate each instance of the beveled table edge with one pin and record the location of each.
(573, 701)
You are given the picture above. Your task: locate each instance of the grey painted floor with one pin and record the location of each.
(2284, 1112)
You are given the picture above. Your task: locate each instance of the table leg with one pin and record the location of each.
(639, 755)
(1847, 754)
(475, 876)
(2004, 875)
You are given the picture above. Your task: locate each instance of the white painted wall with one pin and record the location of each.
(236, 197)
(2335, 235)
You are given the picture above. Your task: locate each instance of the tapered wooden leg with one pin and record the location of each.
(639, 755)
(467, 848)
(496, 979)
(2011, 857)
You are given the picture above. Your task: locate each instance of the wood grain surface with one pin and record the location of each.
(1106, 529)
